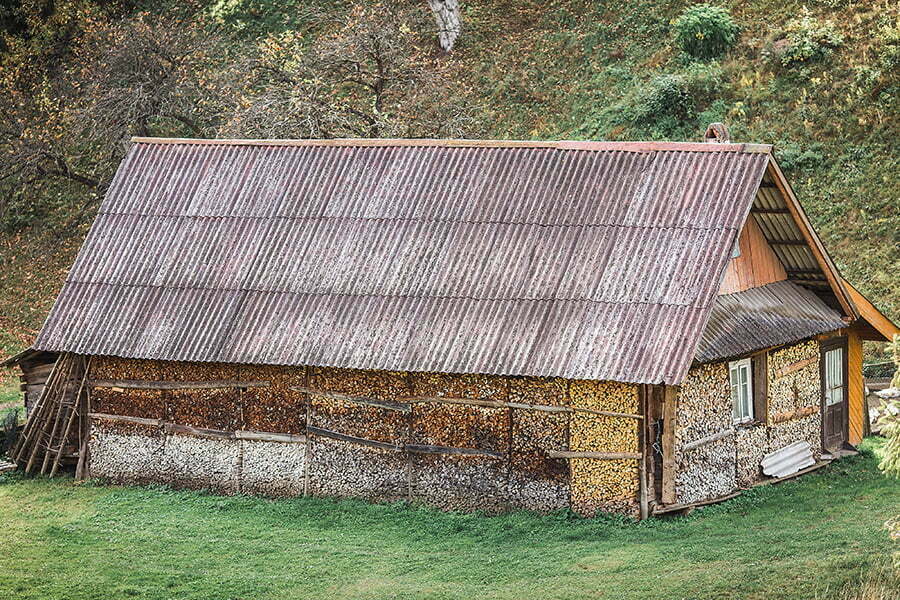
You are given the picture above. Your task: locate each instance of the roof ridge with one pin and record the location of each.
(597, 146)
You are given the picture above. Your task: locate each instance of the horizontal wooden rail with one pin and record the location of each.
(352, 439)
(451, 400)
(126, 419)
(795, 414)
(721, 435)
(594, 455)
(366, 400)
(138, 384)
(426, 449)
(265, 436)
(793, 367)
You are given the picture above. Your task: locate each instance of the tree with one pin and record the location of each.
(446, 14)
(890, 417)
(64, 130)
(371, 76)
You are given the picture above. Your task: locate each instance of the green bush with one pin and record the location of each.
(888, 47)
(809, 40)
(705, 31)
(678, 96)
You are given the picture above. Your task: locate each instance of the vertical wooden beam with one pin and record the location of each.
(643, 464)
(670, 413)
(306, 451)
(857, 417)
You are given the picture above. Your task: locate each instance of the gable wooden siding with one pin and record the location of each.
(756, 266)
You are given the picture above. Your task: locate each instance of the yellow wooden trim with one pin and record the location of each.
(872, 315)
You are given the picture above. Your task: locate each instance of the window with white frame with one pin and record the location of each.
(740, 375)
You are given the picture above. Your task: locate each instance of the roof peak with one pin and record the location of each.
(597, 146)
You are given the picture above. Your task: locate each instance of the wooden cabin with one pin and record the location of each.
(475, 325)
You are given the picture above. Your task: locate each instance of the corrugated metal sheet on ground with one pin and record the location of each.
(770, 315)
(788, 460)
(595, 264)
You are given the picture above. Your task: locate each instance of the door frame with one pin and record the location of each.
(824, 346)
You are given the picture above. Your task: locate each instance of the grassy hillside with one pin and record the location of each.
(71, 541)
(525, 69)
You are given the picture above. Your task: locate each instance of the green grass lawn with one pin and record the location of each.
(807, 538)
(10, 399)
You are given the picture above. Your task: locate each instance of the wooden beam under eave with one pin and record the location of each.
(812, 239)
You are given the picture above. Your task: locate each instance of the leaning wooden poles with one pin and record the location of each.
(49, 425)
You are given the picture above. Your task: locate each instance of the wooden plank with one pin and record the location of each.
(352, 439)
(679, 507)
(793, 367)
(795, 414)
(670, 412)
(368, 401)
(643, 468)
(427, 449)
(810, 469)
(200, 432)
(442, 400)
(595, 455)
(138, 384)
(721, 435)
(857, 414)
(267, 436)
(126, 419)
(540, 407)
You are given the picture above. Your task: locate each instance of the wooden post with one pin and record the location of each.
(670, 413)
(82, 470)
(643, 392)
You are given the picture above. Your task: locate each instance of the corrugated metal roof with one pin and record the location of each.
(761, 317)
(573, 259)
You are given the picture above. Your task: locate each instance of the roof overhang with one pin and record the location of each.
(872, 324)
(21, 357)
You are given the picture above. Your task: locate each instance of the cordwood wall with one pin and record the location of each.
(457, 442)
(731, 462)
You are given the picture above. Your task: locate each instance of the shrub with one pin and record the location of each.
(888, 47)
(808, 39)
(678, 96)
(705, 31)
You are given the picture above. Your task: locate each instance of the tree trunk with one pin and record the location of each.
(446, 13)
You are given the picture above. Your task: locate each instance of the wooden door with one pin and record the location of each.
(834, 394)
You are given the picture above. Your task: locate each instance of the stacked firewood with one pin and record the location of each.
(795, 392)
(704, 443)
(603, 484)
(536, 481)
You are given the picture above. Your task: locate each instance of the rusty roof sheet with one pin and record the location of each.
(771, 315)
(573, 259)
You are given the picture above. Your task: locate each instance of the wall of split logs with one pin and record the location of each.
(457, 442)
(714, 457)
